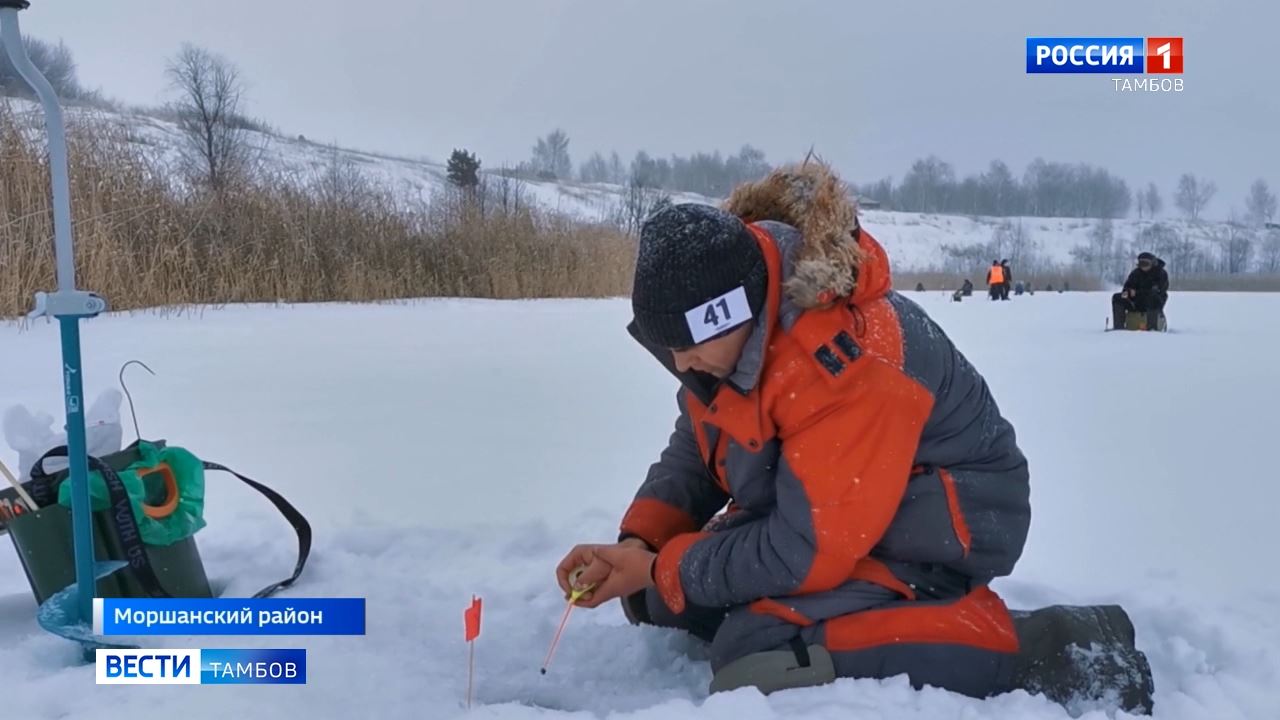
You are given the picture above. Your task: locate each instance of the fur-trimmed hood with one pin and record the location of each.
(835, 256)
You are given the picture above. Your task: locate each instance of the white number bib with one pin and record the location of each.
(718, 314)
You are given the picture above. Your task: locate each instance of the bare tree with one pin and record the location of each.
(1160, 239)
(1148, 201)
(507, 192)
(55, 62)
(1153, 201)
(551, 156)
(639, 201)
(650, 173)
(1100, 194)
(881, 191)
(1261, 203)
(1023, 249)
(1014, 241)
(999, 189)
(1240, 249)
(1269, 257)
(1235, 242)
(749, 164)
(1183, 253)
(341, 183)
(617, 171)
(1099, 255)
(963, 259)
(1193, 195)
(926, 186)
(210, 90)
(595, 169)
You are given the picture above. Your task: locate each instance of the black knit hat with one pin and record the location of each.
(1146, 256)
(699, 275)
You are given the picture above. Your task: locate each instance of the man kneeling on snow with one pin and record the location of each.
(873, 488)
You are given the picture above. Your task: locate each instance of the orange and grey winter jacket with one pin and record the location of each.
(853, 441)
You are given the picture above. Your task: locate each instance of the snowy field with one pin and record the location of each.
(452, 447)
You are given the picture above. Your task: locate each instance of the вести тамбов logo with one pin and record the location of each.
(1136, 64)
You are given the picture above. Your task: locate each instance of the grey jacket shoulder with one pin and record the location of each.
(966, 426)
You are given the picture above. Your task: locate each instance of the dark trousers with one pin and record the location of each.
(961, 640)
(1150, 303)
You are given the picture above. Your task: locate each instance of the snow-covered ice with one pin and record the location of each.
(449, 447)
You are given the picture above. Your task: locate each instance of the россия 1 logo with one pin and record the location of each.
(1110, 56)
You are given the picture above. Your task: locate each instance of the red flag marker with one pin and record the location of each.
(471, 619)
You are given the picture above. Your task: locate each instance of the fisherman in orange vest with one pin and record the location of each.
(995, 280)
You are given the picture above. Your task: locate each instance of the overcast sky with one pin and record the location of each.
(870, 85)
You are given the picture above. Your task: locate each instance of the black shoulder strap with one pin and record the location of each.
(42, 486)
(127, 532)
(125, 524)
(295, 518)
(123, 521)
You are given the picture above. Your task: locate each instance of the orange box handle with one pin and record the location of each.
(170, 504)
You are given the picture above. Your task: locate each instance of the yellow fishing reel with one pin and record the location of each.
(575, 592)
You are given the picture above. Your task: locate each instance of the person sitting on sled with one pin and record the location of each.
(1146, 291)
(873, 487)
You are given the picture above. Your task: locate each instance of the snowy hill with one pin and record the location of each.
(913, 240)
(433, 466)
(307, 160)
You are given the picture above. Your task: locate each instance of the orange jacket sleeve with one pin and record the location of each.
(678, 495)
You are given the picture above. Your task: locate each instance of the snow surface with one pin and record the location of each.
(450, 447)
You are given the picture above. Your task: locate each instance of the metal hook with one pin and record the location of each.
(132, 412)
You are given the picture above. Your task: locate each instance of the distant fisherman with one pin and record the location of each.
(1146, 290)
(995, 280)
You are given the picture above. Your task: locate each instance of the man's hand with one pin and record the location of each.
(615, 570)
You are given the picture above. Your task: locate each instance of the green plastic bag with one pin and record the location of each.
(164, 517)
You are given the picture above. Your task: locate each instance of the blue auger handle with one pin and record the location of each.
(67, 304)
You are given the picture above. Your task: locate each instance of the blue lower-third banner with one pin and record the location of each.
(207, 666)
(228, 616)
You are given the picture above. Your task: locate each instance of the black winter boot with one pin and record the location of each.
(1119, 309)
(1082, 658)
